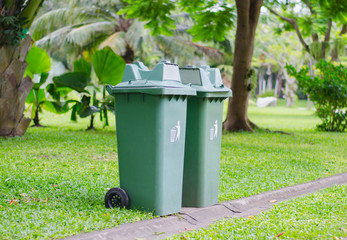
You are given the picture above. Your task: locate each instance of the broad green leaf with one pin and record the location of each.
(89, 111)
(82, 65)
(56, 107)
(108, 66)
(38, 61)
(40, 95)
(75, 80)
(36, 96)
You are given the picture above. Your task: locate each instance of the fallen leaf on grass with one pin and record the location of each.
(23, 194)
(280, 234)
(251, 217)
(345, 230)
(0, 206)
(187, 229)
(336, 238)
(55, 185)
(273, 201)
(183, 237)
(13, 202)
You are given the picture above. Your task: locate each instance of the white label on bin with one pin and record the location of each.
(214, 130)
(175, 132)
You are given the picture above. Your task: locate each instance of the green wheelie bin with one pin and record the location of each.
(150, 124)
(203, 136)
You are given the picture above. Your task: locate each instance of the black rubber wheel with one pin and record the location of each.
(116, 197)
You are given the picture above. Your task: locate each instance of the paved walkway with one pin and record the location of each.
(193, 218)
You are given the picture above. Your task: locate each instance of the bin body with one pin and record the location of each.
(150, 124)
(203, 139)
(150, 133)
(202, 154)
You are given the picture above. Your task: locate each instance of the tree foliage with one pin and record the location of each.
(212, 19)
(313, 19)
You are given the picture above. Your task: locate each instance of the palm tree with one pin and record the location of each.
(16, 17)
(79, 28)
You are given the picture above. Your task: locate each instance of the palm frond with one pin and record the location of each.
(53, 20)
(116, 42)
(58, 18)
(54, 40)
(86, 34)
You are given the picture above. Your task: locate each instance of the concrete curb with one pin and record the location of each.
(194, 218)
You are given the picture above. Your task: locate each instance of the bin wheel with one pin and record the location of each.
(116, 197)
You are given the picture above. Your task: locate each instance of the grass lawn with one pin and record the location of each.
(53, 180)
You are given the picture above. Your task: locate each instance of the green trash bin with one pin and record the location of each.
(150, 122)
(203, 136)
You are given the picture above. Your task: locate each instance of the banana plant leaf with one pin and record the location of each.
(77, 81)
(90, 110)
(56, 107)
(57, 93)
(108, 66)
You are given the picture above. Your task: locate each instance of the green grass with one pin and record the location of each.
(322, 215)
(53, 180)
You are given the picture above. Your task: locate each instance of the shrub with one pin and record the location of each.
(328, 91)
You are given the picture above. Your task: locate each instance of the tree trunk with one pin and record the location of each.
(129, 55)
(248, 12)
(334, 52)
(325, 44)
(14, 89)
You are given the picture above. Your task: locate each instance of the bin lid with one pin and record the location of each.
(207, 81)
(164, 79)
